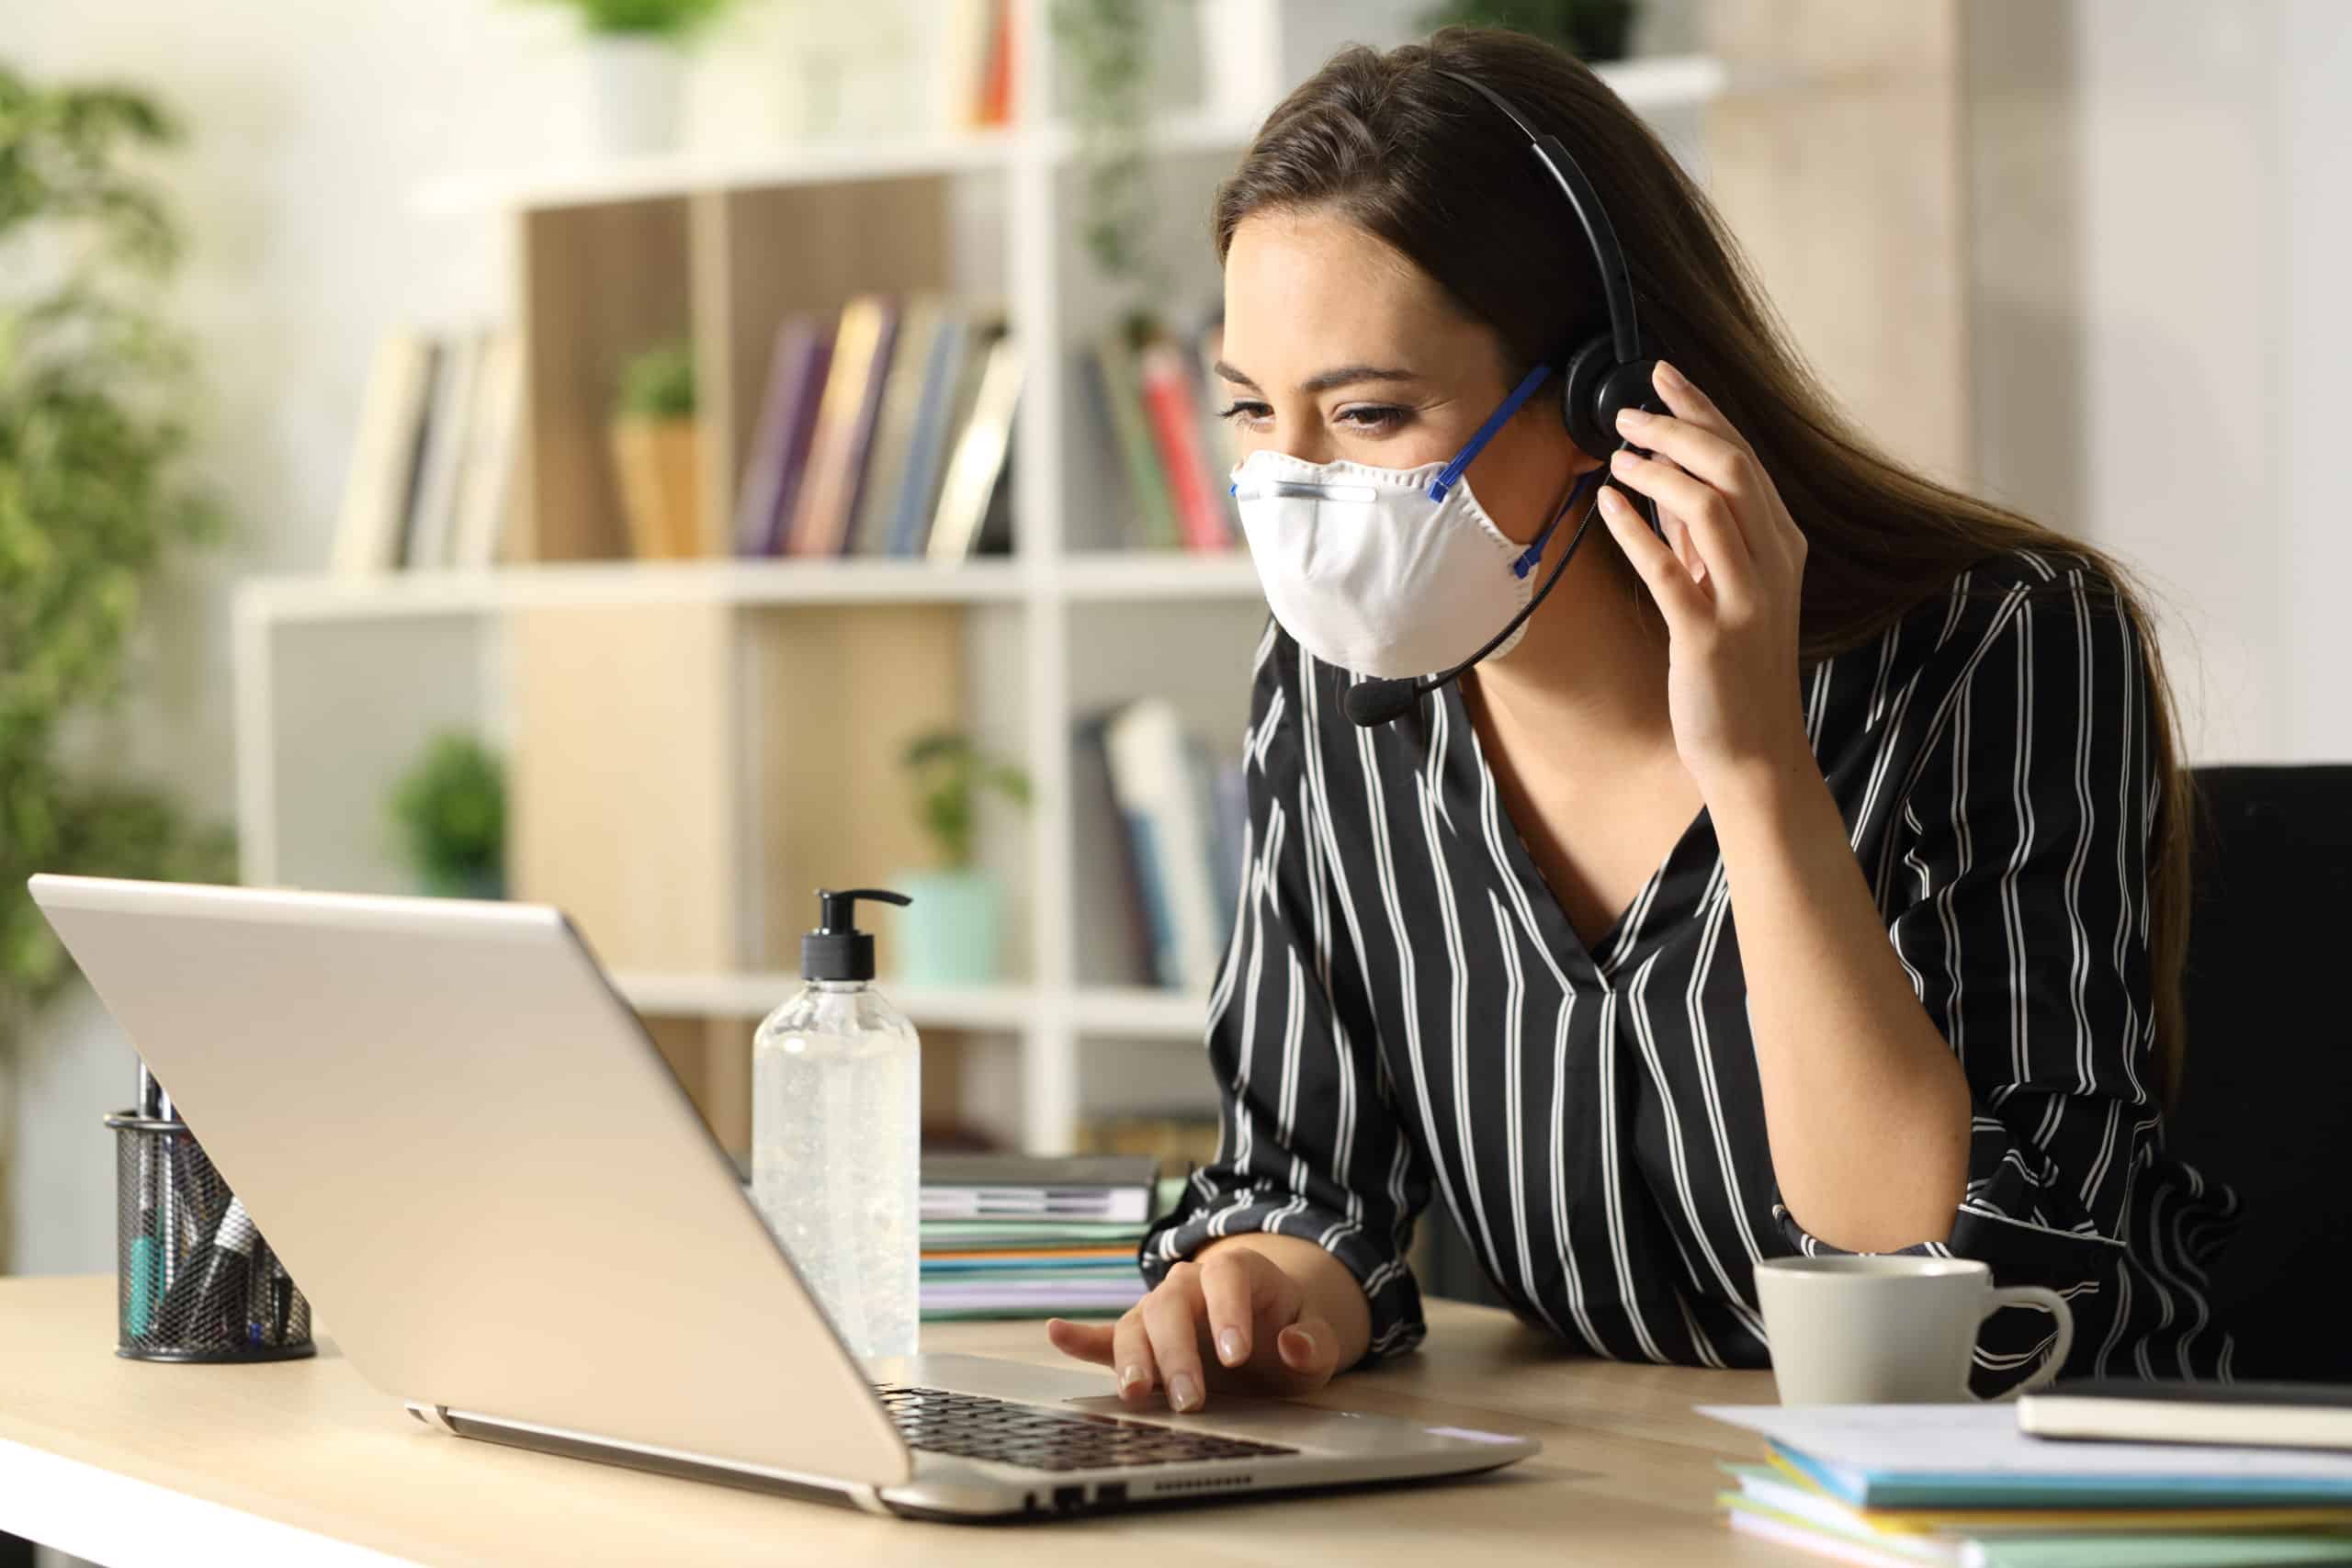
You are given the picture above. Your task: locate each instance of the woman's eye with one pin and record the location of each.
(1377, 417)
(1244, 410)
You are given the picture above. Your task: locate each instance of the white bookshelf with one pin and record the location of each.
(1660, 85)
(324, 666)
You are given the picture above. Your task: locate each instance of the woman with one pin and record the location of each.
(1809, 878)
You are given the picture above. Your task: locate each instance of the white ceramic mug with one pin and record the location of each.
(1886, 1330)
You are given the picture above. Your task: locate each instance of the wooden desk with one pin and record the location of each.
(301, 1462)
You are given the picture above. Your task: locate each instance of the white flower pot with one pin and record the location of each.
(639, 88)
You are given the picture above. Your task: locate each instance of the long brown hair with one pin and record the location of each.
(1428, 166)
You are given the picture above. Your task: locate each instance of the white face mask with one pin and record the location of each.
(1389, 572)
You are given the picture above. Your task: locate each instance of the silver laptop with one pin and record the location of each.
(474, 1161)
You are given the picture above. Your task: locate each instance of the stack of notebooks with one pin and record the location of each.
(1964, 1485)
(1006, 1236)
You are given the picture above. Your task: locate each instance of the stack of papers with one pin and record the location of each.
(1074, 1257)
(1959, 1484)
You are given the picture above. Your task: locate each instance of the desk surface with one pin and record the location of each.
(302, 1462)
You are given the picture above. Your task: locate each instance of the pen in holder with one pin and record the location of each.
(195, 1282)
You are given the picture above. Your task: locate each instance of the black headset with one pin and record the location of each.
(1599, 378)
(1603, 377)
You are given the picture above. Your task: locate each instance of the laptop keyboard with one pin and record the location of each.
(971, 1425)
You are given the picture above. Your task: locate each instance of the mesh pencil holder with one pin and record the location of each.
(195, 1282)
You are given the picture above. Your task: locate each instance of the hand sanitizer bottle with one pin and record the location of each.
(836, 1130)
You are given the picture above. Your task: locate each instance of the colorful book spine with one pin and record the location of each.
(860, 346)
(1121, 386)
(780, 422)
(1174, 411)
(943, 386)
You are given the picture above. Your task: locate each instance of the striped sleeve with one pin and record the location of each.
(1311, 1144)
(2019, 909)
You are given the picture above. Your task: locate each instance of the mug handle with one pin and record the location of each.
(2055, 1305)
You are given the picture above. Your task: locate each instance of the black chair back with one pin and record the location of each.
(2265, 1094)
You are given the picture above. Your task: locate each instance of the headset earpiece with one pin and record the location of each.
(1629, 386)
(1595, 389)
(1580, 381)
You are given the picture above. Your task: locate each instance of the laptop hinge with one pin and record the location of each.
(433, 1416)
(661, 1461)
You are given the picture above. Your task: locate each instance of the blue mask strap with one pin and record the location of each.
(1451, 472)
(1535, 552)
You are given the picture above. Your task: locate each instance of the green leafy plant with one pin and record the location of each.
(659, 383)
(451, 811)
(950, 773)
(1107, 45)
(1592, 31)
(95, 396)
(645, 18)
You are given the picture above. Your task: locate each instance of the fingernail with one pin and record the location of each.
(1130, 1378)
(1669, 375)
(1621, 460)
(1183, 1392)
(1228, 1347)
(1632, 419)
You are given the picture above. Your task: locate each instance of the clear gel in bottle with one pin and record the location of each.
(836, 1132)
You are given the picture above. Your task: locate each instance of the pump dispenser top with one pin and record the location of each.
(837, 950)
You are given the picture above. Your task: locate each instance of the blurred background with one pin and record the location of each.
(660, 457)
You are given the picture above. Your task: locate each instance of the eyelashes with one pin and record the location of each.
(1371, 418)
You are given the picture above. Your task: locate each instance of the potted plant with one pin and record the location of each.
(655, 453)
(637, 58)
(951, 934)
(96, 396)
(1592, 31)
(450, 809)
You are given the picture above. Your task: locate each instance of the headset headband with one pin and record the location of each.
(1616, 283)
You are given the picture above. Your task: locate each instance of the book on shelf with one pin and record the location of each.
(448, 422)
(875, 516)
(433, 455)
(486, 486)
(382, 476)
(979, 62)
(1177, 840)
(845, 426)
(883, 432)
(1159, 397)
(1118, 384)
(1173, 406)
(797, 367)
(977, 468)
(951, 382)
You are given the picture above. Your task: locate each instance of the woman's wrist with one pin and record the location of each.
(1777, 791)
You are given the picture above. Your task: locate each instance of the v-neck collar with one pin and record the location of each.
(1675, 888)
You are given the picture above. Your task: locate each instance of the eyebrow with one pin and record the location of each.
(1324, 381)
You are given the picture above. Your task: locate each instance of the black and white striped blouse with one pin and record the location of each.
(1404, 1007)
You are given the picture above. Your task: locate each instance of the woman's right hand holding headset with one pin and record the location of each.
(1254, 1314)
